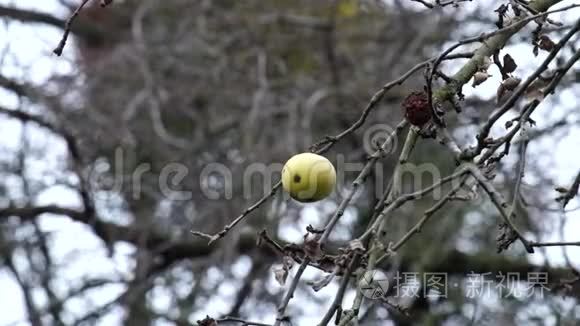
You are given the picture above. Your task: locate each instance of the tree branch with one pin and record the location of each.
(81, 28)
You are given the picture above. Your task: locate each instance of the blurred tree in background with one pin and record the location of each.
(179, 115)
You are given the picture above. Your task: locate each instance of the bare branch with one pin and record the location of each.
(67, 28)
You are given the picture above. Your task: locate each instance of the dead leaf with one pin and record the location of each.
(509, 64)
(312, 248)
(321, 283)
(281, 274)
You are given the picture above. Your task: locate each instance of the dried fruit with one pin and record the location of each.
(280, 274)
(321, 283)
(545, 43)
(417, 109)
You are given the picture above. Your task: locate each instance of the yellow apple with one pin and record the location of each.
(308, 177)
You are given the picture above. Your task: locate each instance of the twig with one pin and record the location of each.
(500, 203)
(505, 236)
(520, 170)
(290, 293)
(426, 216)
(358, 181)
(564, 251)
(554, 244)
(572, 192)
(239, 320)
(399, 201)
(425, 3)
(336, 303)
(238, 219)
(67, 27)
(439, 3)
(376, 244)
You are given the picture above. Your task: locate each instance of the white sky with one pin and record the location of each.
(81, 252)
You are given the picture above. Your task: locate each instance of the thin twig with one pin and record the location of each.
(554, 244)
(239, 320)
(500, 203)
(67, 27)
(426, 216)
(280, 317)
(572, 191)
(359, 181)
(238, 219)
(520, 170)
(399, 201)
(410, 141)
(336, 303)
